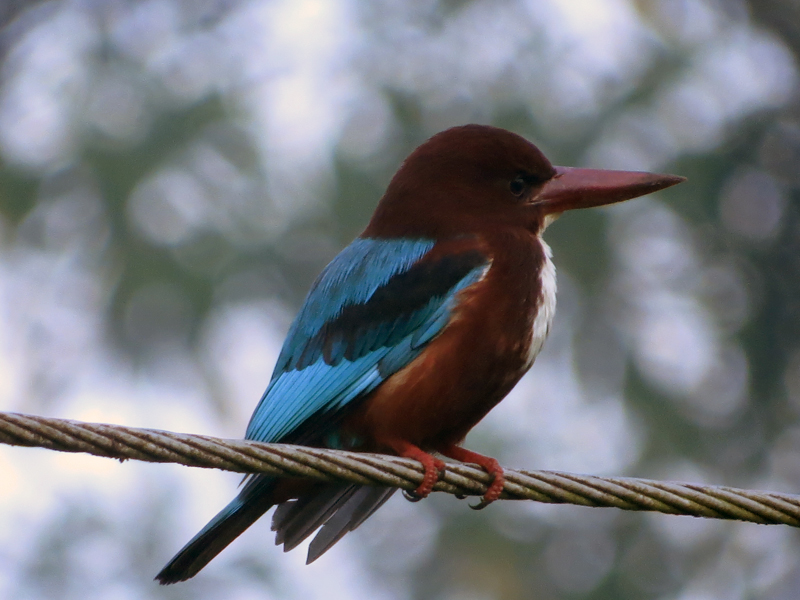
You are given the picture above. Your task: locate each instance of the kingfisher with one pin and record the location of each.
(414, 331)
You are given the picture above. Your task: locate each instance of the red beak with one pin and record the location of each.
(583, 188)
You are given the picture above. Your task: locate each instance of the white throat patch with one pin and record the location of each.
(547, 305)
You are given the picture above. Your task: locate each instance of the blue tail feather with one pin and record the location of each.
(244, 510)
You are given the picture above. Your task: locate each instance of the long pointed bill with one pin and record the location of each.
(583, 188)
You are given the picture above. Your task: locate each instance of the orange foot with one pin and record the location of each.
(433, 468)
(490, 465)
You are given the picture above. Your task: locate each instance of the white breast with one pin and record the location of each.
(547, 305)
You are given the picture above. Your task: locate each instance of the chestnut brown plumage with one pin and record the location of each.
(416, 330)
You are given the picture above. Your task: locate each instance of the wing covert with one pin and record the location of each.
(369, 313)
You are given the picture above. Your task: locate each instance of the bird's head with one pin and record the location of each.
(476, 177)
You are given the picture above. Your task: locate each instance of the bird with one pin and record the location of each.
(414, 331)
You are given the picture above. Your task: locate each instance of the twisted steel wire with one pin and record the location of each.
(245, 456)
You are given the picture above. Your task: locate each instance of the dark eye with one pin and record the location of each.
(517, 186)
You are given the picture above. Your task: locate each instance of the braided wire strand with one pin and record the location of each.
(244, 456)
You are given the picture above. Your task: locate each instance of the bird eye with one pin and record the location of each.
(517, 186)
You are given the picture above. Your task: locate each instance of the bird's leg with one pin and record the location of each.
(433, 467)
(488, 464)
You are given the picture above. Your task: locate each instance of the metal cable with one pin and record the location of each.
(242, 456)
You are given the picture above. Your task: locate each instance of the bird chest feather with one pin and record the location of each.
(546, 306)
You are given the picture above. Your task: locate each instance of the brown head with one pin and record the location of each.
(470, 178)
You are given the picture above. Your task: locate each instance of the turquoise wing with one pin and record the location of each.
(371, 311)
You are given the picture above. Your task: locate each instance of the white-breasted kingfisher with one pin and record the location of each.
(415, 330)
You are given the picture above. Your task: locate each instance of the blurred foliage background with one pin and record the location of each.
(174, 174)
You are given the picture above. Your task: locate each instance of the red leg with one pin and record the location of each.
(433, 466)
(488, 464)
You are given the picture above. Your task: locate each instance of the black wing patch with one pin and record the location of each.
(393, 311)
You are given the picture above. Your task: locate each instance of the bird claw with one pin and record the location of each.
(412, 496)
(430, 480)
(492, 492)
(490, 465)
(481, 505)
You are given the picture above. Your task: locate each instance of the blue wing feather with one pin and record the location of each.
(350, 279)
(370, 313)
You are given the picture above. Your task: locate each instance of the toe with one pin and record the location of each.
(492, 493)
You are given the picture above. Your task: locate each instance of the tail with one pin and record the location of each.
(244, 510)
(337, 508)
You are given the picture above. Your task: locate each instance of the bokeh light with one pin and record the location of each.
(173, 175)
